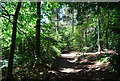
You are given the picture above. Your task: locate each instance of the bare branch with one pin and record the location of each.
(5, 9)
(7, 19)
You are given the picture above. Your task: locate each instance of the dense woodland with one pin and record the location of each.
(35, 34)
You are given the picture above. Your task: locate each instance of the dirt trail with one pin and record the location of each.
(74, 67)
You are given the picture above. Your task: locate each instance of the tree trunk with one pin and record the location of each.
(11, 56)
(85, 37)
(57, 27)
(86, 32)
(79, 40)
(99, 37)
(73, 21)
(38, 31)
(106, 34)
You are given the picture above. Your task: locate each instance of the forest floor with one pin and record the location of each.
(81, 67)
(76, 66)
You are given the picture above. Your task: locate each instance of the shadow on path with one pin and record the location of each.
(72, 67)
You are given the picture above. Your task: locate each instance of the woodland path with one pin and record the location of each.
(83, 67)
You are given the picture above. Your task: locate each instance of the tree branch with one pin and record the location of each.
(7, 19)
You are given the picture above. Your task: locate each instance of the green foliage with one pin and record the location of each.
(113, 61)
(84, 37)
(85, 49)
(104, 58)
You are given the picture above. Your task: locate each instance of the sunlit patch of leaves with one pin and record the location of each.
(104, 58)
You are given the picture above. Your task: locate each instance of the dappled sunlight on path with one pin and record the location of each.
(81, 66)
(70, 70)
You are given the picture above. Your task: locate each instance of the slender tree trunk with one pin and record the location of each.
(99, 33)
(73, 21)
(106, 34)
(11, 56)
(57, 27)
(99, 37)
(86, 33)
(79, 40)
(86, 37)
(95, 41)
(82, 39)
(38, 30)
